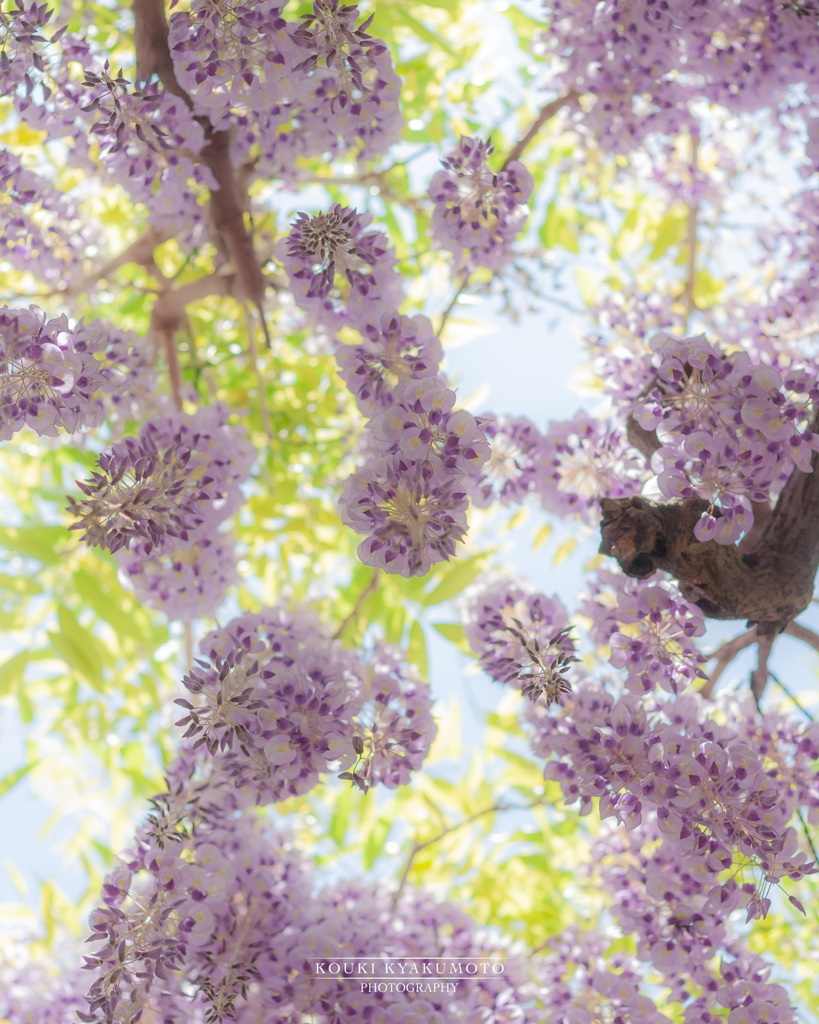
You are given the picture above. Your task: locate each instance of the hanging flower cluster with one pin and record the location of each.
(53, 377)
(276, 703)
(158, 500)
(521, 638)
(478, 213)
(730, 452)
(410, 495)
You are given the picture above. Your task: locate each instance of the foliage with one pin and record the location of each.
(236, 245)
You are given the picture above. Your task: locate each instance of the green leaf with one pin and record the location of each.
(375, 841)
(417, 649)
(78, 648)
(12, 671)
(40, 542)
(423, 31)
(340, 817)
(454, 632)
(557, 232)
(458, 575)
(107, 605)
(19, 585)
(9, 781)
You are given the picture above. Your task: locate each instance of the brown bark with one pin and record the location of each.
(227, 203)
(769, 584)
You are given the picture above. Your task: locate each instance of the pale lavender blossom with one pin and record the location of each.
(395, 349)
(52, 378)
(423, 426)
(340, 272)
(521, 638)
(478, 212)
(511, 471)
(179, 476)
(414, 514)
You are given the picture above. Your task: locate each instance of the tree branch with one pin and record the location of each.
(418, 847)
(548, 111)
(359, 601)
(227, 205)
(759, 677)
(768, 586)
(803, 633)
(724, 655)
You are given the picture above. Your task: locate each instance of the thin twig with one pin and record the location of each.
(803, 633)
(759, 676)
(790, 696)
(806, 831)
(724, 655)
(362, 597)
(458, 291)
(548, 111)
(418, 847)
(168, 338)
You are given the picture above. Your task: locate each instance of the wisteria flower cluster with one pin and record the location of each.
(650, 629)
(229, 885)
(410, 495)
(710, 788)
(56, 378)
(645, 65)
(478, 213)
(285, 89)
(158, 499)
(521, 638)
(568, 468)
(677, 911)
(322, 84)
(339, 272)
(41, 229)
(732, 454)
(277, 702)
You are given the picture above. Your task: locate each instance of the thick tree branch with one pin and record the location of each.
(227, 205)
(768, 583)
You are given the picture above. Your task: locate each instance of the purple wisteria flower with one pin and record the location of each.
(423, 426)
(478, 213)
(52, 378)
(711, 447)
(650, 628)
(396, 720)
(393, 350)
(177, 479)
(414, 514)
(273, 703)
(510, 473)
(581, 460)
(232, 59)
(521, 638)
(184, 580)
(338, 271)
(42, 231)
